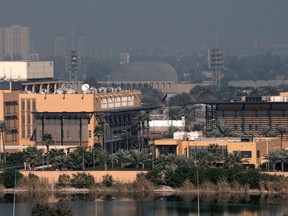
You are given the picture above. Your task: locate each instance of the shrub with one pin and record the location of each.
(250, 177)
(64, 180)
(142, 184)
(155, 176)
(107, 180)
(33, 183)
(82, 180)
(7, 177)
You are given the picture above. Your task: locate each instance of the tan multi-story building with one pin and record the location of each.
(16, 41)
(253, 152)
(69, 118)
(251, 115)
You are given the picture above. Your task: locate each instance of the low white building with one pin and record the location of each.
(26, 70)
(192, 135)
(163, 125)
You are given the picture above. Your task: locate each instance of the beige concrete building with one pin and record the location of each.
(253, 152)
(69, 118)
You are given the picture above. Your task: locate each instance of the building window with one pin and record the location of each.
(33, 104)
(250, 126)
(256, 113)
(22, 104)
(89, 133)
(235, 127)
(28, 105)
(246, 154)
(256, 127)
(258, 154)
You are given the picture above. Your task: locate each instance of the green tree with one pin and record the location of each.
(47, 141)
(281, 130)
(121, 156)
(182, 100)
(202, 93)
(273, 157)
(267, 132)
(139, 123)
(221, 130)
(234, 160)
(7, 177)
(214, 155)
(4, 130)
(32, 156)
(99, 133)
(137, 157)
(63, 162)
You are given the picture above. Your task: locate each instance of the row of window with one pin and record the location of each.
(66, 134)
(256, 113)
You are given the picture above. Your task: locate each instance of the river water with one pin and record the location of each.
(150, 204)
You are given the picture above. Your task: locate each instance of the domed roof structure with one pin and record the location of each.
(145, 72)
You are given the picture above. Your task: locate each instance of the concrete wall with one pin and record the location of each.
(119, 176)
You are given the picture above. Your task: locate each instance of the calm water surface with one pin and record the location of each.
(150, 204)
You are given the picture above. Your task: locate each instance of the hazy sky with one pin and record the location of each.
(136, 23)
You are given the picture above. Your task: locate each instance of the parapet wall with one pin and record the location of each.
(118, 176)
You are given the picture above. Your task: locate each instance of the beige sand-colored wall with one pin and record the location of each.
(119, 176)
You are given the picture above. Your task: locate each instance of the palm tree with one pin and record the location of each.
(283, 158)
(4, 130)
(221, 130)
(214, 155)
(273, 157)
(281, 130)
(55, 153)
(202, 159)
(234, 160)
(63, 162)
(47, 141)
(121, 156)
(164, 160)
(139, 122)
(32, 156)
(137, 157)
(175, 112)
(267, 132)
(280, 156)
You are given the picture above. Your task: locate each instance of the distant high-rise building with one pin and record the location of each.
(1, 45)
(81, 45)
(16, 40)
(60, 46)
(216, 63)
(124, 58)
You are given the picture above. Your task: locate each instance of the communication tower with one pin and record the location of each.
(73, 65)
(216, 63)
